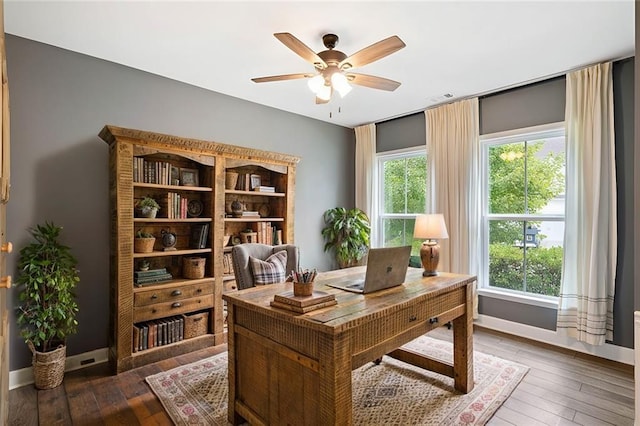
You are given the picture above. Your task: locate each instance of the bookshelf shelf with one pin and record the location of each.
(164, 220)
(254, 193)
(253, 219)
(171, 187)
(158, 253)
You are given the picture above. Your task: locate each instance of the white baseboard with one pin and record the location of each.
(22, 377)
(606, 351)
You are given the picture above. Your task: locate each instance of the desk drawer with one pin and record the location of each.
(166, 309)
(387, 327)
(153, 297)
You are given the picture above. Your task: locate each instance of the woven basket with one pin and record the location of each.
(193, 267)
(196, 324)
(143, 245)
(48, 367)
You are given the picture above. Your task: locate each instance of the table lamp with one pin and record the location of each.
(431, 227)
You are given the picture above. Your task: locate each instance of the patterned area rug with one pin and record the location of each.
(392, 393)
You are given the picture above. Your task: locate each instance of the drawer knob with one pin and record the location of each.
(176, 304)
(412, 318)
(433, 320)
(176, 292)
(154, 296)
(199, 290)
(153, 311)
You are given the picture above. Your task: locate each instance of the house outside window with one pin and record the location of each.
(523, 211)
(402, 196)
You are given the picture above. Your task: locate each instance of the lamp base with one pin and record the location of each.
(430, 256)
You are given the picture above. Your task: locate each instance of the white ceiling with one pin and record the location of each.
(462, 48)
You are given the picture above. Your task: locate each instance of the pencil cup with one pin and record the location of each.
(302, 289)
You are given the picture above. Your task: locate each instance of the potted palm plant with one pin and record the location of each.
(347, 233)
(47, 314)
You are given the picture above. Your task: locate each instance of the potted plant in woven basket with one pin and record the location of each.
(143, 242)
(47, 314)
(346, 232)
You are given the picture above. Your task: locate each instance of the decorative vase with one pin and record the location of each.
(236, 208)
(230, 180)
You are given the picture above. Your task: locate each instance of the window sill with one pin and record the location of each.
(528, 299)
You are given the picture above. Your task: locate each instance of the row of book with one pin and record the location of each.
(267, 234)
(176, 206)
(227, 264)
(199, 236)
(158, 172)
(151, 276)
(151, 334)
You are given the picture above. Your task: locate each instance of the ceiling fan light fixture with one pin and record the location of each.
(340, 83)
(324, 93)
(315, 83)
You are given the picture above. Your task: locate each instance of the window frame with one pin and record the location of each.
(381, 158)
(486, 142)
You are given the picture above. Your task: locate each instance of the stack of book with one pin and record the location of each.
(152, 276)
(250, 213)
(303, 304)
(159, 332)
(263, 188)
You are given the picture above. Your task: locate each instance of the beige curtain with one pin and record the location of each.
(590, 243)
(366, 174)
(453, 156)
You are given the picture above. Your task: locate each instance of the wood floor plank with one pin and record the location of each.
(23, 406)
(53, 406)
(559, 410)
(561, 388)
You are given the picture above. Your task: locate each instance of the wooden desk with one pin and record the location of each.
(287, 368)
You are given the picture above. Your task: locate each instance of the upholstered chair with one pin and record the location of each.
(242, 264)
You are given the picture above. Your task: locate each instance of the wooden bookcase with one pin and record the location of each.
(132, 307)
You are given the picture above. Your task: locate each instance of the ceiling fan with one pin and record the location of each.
(333, 67)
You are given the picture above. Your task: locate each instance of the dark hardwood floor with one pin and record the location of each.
(562, 387)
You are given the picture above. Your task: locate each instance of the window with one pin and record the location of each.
(523, 211)
(402, 196)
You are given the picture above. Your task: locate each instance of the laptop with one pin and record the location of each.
(386, 267)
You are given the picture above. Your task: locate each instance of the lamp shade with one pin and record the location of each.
(430, 227)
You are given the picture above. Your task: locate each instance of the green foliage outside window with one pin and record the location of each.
(523, 180)
(507, 189)
(544, 268)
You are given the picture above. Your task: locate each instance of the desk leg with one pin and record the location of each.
(334, 394)
(232, 416)
(463, 346)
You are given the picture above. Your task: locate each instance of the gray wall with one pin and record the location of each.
(59, 167)
(533, 105)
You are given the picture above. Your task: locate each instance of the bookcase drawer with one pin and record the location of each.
(166, 309)
(153, 297)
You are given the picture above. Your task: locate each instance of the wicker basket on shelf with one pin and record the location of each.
(196, 324)
(193, 267)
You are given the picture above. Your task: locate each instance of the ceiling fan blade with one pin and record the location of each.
(373, 82)
(301, 49)
(374, 52)
(281, 77)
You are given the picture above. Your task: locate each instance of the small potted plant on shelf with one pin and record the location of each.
(347, 233)
(148, 207)
(47, 314)
(143, 242)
